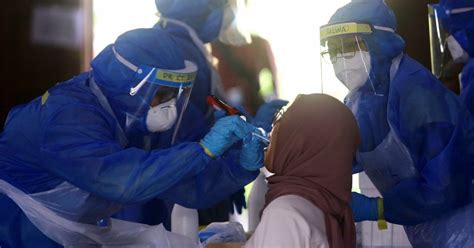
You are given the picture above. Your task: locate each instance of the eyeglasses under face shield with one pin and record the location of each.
(342, 40)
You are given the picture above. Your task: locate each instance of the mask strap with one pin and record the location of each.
(135, 89)
(134, 68)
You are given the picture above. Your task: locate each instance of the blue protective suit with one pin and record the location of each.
(68, 136)
(467, 81)
(205, 18)
(417, 137)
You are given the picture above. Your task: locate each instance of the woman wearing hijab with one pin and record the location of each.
(308, 200)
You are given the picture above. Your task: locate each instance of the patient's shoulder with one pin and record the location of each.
(298, 206)
(290, 221)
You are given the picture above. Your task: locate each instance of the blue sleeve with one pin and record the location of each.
(226, 173)
(438, 133)
(78, 144)
(222, 177)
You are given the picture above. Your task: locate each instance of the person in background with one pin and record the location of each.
(192, 25)
(457, 17)
(248, 72)
(83, 149)
(416, 135)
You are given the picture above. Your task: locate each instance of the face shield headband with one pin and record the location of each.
(171, 78)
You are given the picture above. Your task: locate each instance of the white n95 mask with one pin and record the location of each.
(457, 52)
(162, 117)
(353, 72)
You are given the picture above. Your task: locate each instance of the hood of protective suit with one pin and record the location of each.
(457, 16)
(204, 16)
(151, 47)
(383, 45)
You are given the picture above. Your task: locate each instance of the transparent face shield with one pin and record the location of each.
(159, 98)
(345, 59)
(438, 35)
(446, 53)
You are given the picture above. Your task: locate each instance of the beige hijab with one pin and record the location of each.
(311, 154)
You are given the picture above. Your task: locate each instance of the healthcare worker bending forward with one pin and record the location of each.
(416, 136)
(188, 26)
(74, 156)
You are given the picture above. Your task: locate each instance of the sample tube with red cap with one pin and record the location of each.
(219, 104)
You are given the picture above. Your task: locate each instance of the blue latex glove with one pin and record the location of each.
(225, 132)
(251, 155)
(224, 232)
(363, 207)
(238, 200)
(266, 113)
(219, 114)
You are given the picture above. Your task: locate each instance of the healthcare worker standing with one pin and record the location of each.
(457, 18)
(416, 136)
(195, 23)
(191, 24)
(79, 151)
